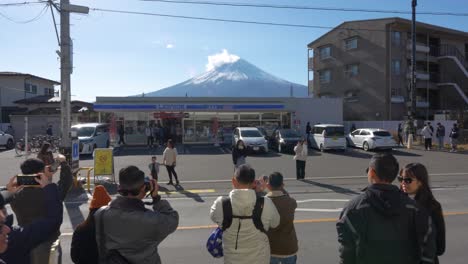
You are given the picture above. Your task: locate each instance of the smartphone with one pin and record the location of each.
(27, 180)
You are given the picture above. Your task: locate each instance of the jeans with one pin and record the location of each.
(300, 169)
(288, 260)
(427, 143)
(441, 142)
(171, 171)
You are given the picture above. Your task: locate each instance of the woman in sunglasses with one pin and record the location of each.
(414, 180)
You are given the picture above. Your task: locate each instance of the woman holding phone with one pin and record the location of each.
(414, 180)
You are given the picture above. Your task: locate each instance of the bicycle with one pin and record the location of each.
(20, 147)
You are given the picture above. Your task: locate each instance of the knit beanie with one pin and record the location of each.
(100, 197)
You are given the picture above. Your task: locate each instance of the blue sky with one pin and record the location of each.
(119, 55)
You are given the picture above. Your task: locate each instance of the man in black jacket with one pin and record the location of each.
(383, 225)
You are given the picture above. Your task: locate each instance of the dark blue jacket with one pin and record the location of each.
(22, 240)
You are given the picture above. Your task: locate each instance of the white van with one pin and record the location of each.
(328, 136)
(92, 136)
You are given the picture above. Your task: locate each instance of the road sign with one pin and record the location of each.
(103, 162)
(75, 157)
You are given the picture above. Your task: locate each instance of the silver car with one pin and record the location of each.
(371, 138)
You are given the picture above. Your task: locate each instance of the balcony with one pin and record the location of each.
(423, 76)
(420, 47)
(422, 104)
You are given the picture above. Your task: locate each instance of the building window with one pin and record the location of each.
(27, 88)
(396, 65)
(48, 91)
(325, 76)
(396, 91)
(325, 52)
(34, 89)
(351, 43)
(352, 70)
(396, 37)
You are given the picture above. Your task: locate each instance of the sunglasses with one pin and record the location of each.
(406, 180)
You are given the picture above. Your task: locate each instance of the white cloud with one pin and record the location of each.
(219, 59)
(169, 46)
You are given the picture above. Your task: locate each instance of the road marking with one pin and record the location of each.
(332, 177)
(302, 221)
(191, 191)
(323, 200)
(318, 210)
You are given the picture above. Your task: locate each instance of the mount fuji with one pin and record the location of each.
(234, 79)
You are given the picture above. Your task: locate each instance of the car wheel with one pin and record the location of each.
(322, 149)
(280, 149)
(10, 144)
(365, 146)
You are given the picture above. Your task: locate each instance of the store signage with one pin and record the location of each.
(168, 115)
(190, 107)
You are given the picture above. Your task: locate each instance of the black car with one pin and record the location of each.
(285, 139)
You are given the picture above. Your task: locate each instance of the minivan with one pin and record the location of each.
(92, 136)
(328, 136)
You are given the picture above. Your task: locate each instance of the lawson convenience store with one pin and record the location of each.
(210, 119)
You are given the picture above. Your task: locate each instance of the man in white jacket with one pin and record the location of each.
(427, 135)
(243, 243)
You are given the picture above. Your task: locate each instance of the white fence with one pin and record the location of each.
(392, 126)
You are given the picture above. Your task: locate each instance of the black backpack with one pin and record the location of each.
(256, 215)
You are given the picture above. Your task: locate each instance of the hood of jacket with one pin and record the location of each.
(242, 201)
(386, 199)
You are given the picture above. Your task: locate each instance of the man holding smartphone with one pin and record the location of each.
(23, 239)
(24, 199)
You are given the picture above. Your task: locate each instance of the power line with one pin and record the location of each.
(21, 3)
(229, 20)
(339, 9)
(38, 16)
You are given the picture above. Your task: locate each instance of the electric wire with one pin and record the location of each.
(339, 9)
(37, 17)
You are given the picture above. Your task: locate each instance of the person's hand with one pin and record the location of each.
(13, 187)
(154, 187)
(43, 179)
(61, 158)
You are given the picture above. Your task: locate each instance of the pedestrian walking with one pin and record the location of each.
(156, 135)
(154, 168)
(149, 136)
(45, 154)
(414, 180)
(353, 127)
(49, 130)
(454, 135)
(245, 218)
(283, 239)
(382, 224)
(308, 131)
(301, 156)
(170, 160)
(427, 135)
(161, 135)
(432, 132)
(84, 249)
(400, 136)
(239, 154)
(121, 132)
(440, 134)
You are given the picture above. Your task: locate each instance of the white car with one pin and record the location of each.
(253, 139)
(6, 140)
(371, 138)
(327, 137)
(92, 136)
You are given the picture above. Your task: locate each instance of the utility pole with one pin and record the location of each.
(412, 95)
(66, 68)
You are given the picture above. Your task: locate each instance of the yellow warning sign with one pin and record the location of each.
(103, 162)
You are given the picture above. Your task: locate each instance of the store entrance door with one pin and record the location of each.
(172, 129)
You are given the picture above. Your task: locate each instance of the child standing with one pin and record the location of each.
(154, 168)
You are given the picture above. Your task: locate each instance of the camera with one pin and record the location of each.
(27, 180)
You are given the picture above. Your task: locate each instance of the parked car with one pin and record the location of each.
(7, 140)
(285, 139)
(371, 138)
(92, 136)
(328, 136)
(253, 139)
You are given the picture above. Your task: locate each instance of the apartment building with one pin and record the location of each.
(15, 86)
(368, 64)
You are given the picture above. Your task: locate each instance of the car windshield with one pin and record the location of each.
(382, 134)
(289, 134)
(334, 131)
(251, 133)
(84, 131)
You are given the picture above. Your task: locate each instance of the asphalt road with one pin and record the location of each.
(331, 180)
